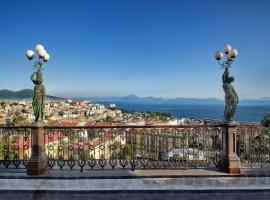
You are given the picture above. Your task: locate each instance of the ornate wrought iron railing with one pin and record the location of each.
(155, 147)
(109, 147)
(15, 146)
(133, 146)
(253, 145)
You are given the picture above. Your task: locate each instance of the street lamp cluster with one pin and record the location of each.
(231, 55)
(42, 53)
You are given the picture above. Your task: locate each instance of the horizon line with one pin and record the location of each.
(139, 96)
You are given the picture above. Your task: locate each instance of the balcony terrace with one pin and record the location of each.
(152, 162)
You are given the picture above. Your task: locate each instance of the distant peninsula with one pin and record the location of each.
(178, 101)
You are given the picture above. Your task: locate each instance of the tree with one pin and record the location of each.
(126, 152)
(109, 119)
(1, 149)
(266, 120)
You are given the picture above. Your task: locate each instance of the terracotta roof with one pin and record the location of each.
(103, 123)
(89, 123)
(119, 124)
(73, 122)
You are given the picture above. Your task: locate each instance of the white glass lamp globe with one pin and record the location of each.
(233, 53)
(218, 55)
(39, 47)
(42, 53)
(30, 54)
(229, 58)
(227, 48)
(46, 58)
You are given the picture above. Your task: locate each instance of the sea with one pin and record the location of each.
(244, 113)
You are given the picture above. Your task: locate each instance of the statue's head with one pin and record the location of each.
(230, 79)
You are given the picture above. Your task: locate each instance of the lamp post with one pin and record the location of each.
(36, 78)
(231, 97)
(37, 164)
(230, 161)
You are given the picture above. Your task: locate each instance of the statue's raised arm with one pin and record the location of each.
(33, 78)
(225, 75)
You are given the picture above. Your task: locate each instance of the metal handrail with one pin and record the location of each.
(116, 126)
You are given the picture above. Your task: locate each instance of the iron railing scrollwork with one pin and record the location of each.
(135, 147)
(15, 147)
(253, 146)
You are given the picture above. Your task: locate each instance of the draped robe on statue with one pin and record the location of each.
(38, 98)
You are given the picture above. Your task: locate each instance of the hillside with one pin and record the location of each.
(22, 94)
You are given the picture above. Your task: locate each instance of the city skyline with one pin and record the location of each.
(146, 48)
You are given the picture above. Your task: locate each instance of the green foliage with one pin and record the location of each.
(266, 120)
(3, 105)
(126, 152)
(84, 155)
(1, 149)
(6, 149)
(109, 119)
(117, 146)
(157, 115)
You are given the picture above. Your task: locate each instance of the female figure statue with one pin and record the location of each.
(39, 94)
(231, 97)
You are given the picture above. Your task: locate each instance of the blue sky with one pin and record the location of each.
(148, 48)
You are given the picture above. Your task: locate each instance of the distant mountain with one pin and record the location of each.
(133, 99)
(22, 94)
(265, 98)
(178, 101)
(151, 100)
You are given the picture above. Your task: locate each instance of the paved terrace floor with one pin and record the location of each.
(138, 184)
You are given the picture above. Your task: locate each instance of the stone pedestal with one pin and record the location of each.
(37, 164)
(233, 166)
(231, 160)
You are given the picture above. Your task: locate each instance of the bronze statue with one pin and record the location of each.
(39, 94)
(231, 97)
